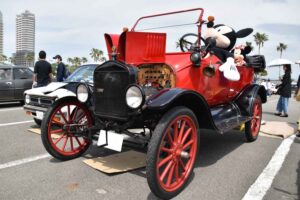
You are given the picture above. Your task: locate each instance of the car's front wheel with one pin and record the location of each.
(172, 152)
(62, 129)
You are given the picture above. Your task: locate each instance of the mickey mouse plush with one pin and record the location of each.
(225, 37)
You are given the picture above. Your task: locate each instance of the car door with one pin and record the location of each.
(23, 81)
(6, 84)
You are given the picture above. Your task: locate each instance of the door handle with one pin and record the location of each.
(8, 83)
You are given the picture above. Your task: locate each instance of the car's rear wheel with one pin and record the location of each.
(252, 127)
(172, 152)
(62, 129)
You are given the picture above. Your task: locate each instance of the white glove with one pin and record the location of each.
(229, 69)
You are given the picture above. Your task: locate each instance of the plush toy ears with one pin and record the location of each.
(247, 50)
(244, 32)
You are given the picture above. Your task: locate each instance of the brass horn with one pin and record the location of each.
(209, 70)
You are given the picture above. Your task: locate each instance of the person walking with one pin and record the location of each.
(61, 69)
(285, 92)
(42, 71)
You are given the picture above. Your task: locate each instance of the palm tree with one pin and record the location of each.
(84, 60)
(260, 39)
(281, 47)
(71, 61)
(29, 57)
(101, 56)
(97, 55)
(94, 54)
(77, 61)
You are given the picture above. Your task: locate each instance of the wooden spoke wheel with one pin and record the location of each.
(172, 152)
(61, 129)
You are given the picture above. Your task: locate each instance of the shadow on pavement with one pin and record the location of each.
(214, 146)
(10, 104)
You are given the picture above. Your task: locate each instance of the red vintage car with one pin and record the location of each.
(168, 97)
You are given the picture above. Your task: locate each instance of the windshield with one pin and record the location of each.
(82, 74)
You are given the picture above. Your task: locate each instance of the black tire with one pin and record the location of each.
(37, 121)
(154, 152)
(249, 133)
(45, 127)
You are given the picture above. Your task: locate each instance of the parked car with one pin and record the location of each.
(158, 99)
(37, 100)
(13, 82)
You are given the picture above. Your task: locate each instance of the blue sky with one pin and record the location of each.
(73, 27)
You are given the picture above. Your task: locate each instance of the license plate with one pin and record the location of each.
(39, 115)
(114, 141)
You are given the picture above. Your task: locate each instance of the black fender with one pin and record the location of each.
(169, 98)
(246, 98)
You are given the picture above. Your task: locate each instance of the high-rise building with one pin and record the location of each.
(25, 25)
(1, 34)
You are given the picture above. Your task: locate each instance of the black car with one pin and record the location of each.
(14, 81)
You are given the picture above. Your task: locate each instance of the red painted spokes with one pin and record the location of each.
(256, 117)
(177, 153)
(65, 121)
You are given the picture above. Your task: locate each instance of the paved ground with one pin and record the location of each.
(226, 168)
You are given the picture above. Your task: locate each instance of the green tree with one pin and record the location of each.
(260, 39)
(84, 60)
(281, 47)
(3, 58)
(70, 60)
(97, 55)
(29, 57)
(77, 61)
(94, 54)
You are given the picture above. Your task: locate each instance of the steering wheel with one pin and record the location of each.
(187, 45)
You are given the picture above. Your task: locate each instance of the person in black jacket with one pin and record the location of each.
(61, 69)
(285, 92)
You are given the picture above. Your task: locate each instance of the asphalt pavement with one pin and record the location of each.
(227, 166)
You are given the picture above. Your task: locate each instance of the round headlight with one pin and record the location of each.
(82, 93)
(134, 97)
(27, 99)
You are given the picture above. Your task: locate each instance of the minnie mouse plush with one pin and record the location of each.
(225, 37)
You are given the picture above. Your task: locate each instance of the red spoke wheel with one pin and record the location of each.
(172, 152)
(62, 123)
(252, 127)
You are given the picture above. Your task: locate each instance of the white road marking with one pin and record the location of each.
(10, 109)
(23, 161)
(15, 123)
(258, 190)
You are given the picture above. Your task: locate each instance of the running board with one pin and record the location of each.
(228, 116)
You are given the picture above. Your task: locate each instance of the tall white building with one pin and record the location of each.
(25, 45)
(1, 34)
